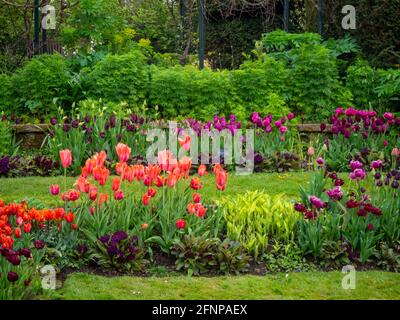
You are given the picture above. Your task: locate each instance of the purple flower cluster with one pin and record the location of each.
(219, 124)
(349, 121)
(268, 124)
(391, 178)
(336, 194)
(317, 202)
(120, 246)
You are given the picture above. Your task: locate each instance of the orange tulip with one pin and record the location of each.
(144, 226)
(99, 159)
(191, 208)
(83, 185)
(221, 179)
(123, 152)
(101, 174)
(66, 158)
(184, 166)
(185, 143)
(202, 170)
(172, 179)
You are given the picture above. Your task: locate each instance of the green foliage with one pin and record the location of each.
(118, 78)
(93, 25)
(255, 219)
(7, 99)
(262, 86)
(38, 83)
(8, 145)
(189, 92)
(201, 254)
(315, 84)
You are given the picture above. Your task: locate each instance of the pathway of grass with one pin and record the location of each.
(16, 189)
(312, 285)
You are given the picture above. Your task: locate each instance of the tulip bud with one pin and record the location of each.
(310, 151)
(396, 152)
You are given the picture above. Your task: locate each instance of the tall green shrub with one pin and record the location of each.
(314, 85)
(6, 93)
(187, 91)
(257, 82)
(38, 83)
(118, 78)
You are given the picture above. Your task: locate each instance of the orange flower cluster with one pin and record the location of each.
(167, 172)
(17, 217)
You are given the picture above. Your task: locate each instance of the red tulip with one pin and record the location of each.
(69, 217)
(118, 195)
(196, 184)
(145, 199)
(196, 198)
(66, 158)
(92, 193)
(151, 192)
(27, 227)
(74, 226)
(116, 183)
(180, 223)
(55, 189)
(123, 152)
(200, 212)
(17, 232)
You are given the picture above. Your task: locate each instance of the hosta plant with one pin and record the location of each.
(256, 219)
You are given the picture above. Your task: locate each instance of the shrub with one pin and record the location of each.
(314, 82)
(6, 94)
(38, 83)
(262, 85)
(118, 78)
(187, 91)
(8, 145)
(257, 219)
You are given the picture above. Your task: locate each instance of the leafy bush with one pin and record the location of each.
(118, 78)
(8, 145)
(201, 254)
(38, 83)
(190, 92)
(262, 85)
(257, 219)
(6, 94)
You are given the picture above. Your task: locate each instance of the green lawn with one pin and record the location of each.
(312, 285)
(16, 189)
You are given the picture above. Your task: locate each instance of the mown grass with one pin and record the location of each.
(312, 285)
(17, 189)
